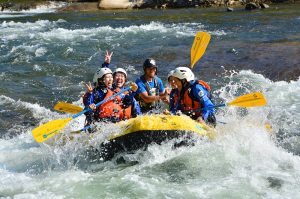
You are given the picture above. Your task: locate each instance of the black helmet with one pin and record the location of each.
(149, 63)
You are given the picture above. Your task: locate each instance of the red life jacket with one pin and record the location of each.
(204, 84)
(188, 102)
(126, 111)
(113, 108)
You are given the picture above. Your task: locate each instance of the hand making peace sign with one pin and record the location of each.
(107, 57)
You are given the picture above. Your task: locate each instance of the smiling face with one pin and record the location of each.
(177, 83)
(150, 72)
(172, 82)
(119, 79)
(108, 80)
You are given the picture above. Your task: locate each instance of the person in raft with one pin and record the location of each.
(150, 88)
(119, 80)
(191, 97)
(112, 111)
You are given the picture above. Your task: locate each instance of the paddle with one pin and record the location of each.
(248, 100)
(68, 108)
(245, 101)
(199, 46)
(46, 131)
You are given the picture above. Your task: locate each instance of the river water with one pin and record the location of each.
(46, 57)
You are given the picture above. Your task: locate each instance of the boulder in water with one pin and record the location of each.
(264, 5)
(230, 3)
(229, 9)
(251, 6)
(119, 4)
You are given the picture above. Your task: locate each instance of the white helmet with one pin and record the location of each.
(121, 70)
(100, 73)
(184, 73)
(170, 74)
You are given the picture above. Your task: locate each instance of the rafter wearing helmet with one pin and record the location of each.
(150, 87)
(113, 110)
(190, 96)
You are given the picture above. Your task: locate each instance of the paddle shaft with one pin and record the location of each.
(207, 108)
(102, 102)
(216, 106)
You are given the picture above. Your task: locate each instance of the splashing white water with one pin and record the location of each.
(243, 161)
(50, 30)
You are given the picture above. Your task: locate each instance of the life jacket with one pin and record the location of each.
(113, 108)
(188, 102)
(126, 111)
(145, 107)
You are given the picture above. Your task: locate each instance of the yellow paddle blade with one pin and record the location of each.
(46, 131)
(67, 108)
(249, 100)
(199, 46)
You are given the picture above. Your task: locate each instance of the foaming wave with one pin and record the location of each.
(38, 112)
(42, 114)
(255, 159)
(243, 161)
(180, 30)
(40, 52)
(23, 185)
(22, 154)
(7, 16)
(25, 53)
(218, 32)
(282, 111)
(16, 30)
(49, 30)
(244, 155)
(25, 42)
(243, 158)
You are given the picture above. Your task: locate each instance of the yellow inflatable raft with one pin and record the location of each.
(138, 133)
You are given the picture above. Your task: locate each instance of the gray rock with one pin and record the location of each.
(229, 9)
(264, 5)
(251, 6)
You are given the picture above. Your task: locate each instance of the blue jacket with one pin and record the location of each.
(198, 93)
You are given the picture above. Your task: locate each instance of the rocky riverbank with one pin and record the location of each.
(107, 4)
(82, 5)
(23, 5)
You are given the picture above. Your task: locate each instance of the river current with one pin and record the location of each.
(46, 56)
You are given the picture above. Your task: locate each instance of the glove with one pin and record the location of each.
(133, 86)
(178, 112)
(166, 112)
(127, 101)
